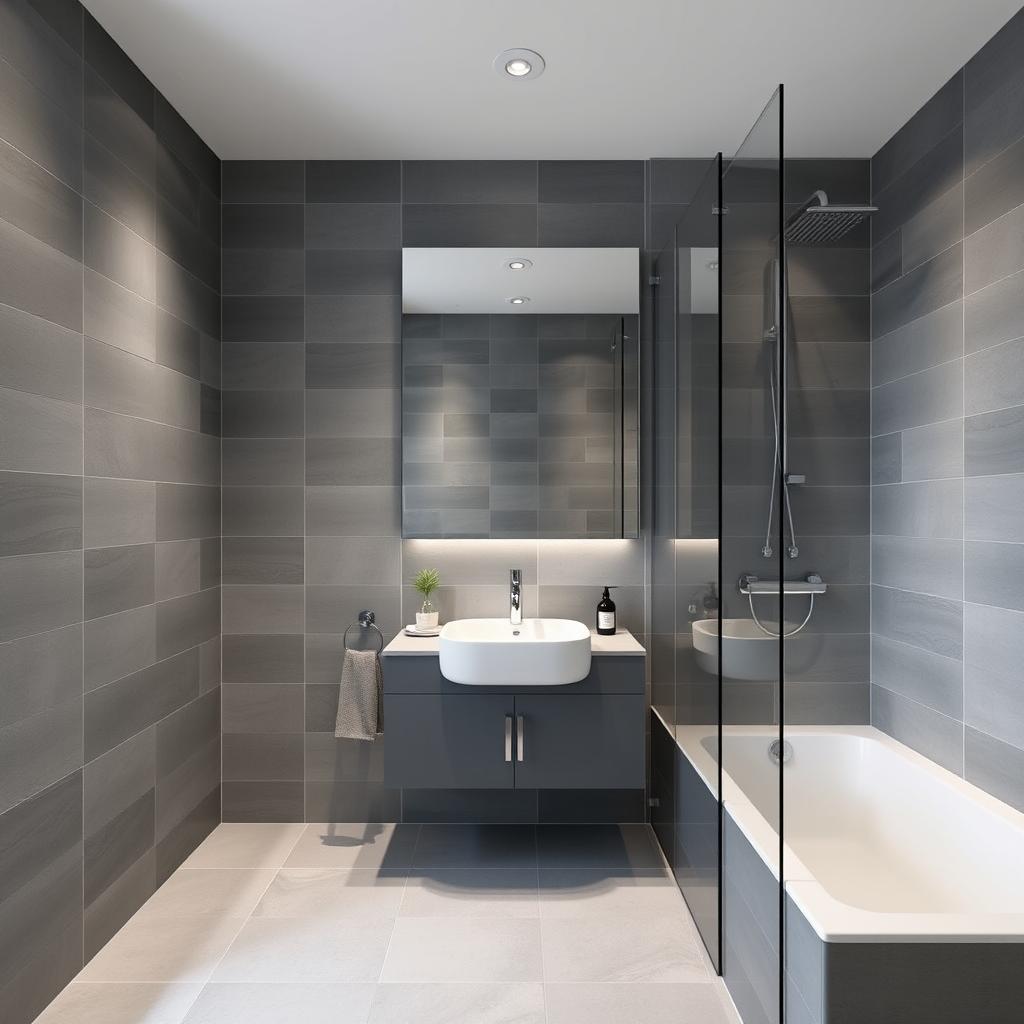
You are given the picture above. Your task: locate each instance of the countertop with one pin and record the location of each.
(622, 643)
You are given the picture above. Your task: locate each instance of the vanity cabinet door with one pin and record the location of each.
(435, 741)
(580, 741)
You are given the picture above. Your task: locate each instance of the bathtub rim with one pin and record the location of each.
(831, 919)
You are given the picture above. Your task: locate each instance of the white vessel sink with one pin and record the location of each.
(493, 652)
(747, 651)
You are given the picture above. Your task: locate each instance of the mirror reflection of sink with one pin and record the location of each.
(493, 652)
(747, 651)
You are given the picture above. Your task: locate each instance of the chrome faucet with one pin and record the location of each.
(515, 597)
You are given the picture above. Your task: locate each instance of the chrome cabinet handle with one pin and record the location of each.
(519, 738)
(508, 739)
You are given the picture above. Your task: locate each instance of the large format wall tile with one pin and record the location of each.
(109, 227)
(948, 422)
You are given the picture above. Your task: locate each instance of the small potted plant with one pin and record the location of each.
(426, 581)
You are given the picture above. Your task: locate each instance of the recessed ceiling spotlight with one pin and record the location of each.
(519, 300)
(519, 63)
(520, 263)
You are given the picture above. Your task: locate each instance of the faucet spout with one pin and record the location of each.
(515, 596)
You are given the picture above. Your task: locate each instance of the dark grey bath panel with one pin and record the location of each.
(443, 735)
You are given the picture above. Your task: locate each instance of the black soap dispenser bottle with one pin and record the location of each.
(606, 614)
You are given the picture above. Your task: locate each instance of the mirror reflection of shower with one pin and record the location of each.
(816, 222)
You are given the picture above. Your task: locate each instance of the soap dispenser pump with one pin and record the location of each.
(606, 614)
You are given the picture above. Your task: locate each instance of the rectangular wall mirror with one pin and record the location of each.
(520, 392)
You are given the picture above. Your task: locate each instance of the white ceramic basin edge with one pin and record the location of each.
(493, 652)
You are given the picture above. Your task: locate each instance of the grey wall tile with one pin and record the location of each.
(37, 751)
(585, 224)
(928, 287)
(591, 181)
(930, 396)
(118, 512)
(263, 659)
(933, 452)
(924, 565)
(348, 317)
(469, 224)
(931, 509)
(887, 459)
(118, 316)
(187, 511)
(186, 622)
(469, 181)
(924, 730)
(119, 710)
(992, 315)
(993, 378)
(38, 203)
(263, 318)
(994, 766)
(39, 592)
(262, 461)
(39, 357)
(995, 251)
(934, 338)
(266, 226)
(930, 623)
(994, 442)
(119, 644)
(353, 226)
(258, 560)
(993, 701)
(262, 413)
(991, 574)
(263, 511)
(994, 508)
(994, 188)
(39, 512)
(262, 609)
(919, 675)
(39, 434)
(262, 181)
(353, 181)
(118, 578)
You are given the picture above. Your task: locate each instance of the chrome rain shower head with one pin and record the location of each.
(818, 221)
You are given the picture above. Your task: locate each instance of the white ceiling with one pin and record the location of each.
(468, 280)
(412, 79)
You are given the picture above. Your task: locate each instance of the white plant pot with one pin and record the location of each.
(426, 620)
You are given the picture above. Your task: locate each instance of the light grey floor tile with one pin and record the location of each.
(620, 949)
(577, 893)
(202, 892)
(249, 845)
(453, 1004)
(697, 1003)
(130, 1003)
(307, 950)
(332, 893)
(350, 846)
(257, 1003)
(163, 949)
(476, 846)
(623, 848)
(463, 950)
(470, 892)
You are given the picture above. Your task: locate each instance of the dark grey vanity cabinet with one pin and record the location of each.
(588, 735)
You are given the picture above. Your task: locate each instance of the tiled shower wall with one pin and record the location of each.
(948, 424)
(312, 458)
(109, 504)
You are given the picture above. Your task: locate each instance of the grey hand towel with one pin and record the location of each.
(360, 716)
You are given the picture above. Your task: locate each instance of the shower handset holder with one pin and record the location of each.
(810, 586)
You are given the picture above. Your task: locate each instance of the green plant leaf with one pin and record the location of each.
(426, 581)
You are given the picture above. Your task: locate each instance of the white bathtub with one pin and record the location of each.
(881, 845)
